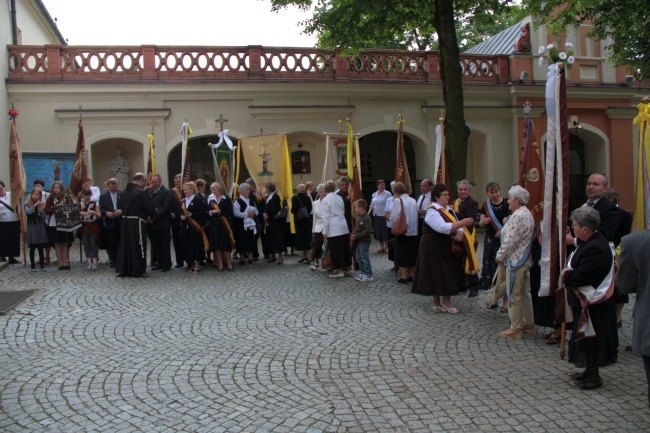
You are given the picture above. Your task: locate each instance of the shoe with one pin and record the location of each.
(512, 333)
(180, 265)
(361, 277)
(528, 329)
(33, 269)
(369, 278)
(250, 261)
(43, 270)
(89, 267)
(13, 261)
(47, 263)
(93, 267)
(279, 262)
(492, 307)
(305, 260)
(337, 275)
(578, 376)
(231, 270)
(503, 310)
(472, 293)
(314, 267)
(402, 281)
(271, 260)
(165, 268)
(409, 279)
(61, 268)
(589, 383)
(242, 263)
(552, 338)
(450, 310)
(3, 259)
(156, 268)
(438, 309)
(112, 265)
(67, 268)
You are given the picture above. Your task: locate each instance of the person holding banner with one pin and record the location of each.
(194, 214)
(466, 207)
(436, 268)
(60, 239)
(589, 276)
(220, 234)
(9, 227)
(275, 216)
(516, 243)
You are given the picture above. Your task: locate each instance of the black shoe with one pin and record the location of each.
(180, 265)
(156, 268)
(165, 268)
(13, 261)
(402, 281)
(3, 259)
(112, 265)
(472, 293)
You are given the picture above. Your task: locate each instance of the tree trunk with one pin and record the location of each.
(456, 133)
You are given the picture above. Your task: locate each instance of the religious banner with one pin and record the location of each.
(222, 157)
(186, 159)
(151, 162)
(531, 176)
(642, 210)
(80, 168)
(18, 181)
(401, 167)
(68, 218)
(354, 171)
(267, 160)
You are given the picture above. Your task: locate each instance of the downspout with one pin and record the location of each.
(14, 25)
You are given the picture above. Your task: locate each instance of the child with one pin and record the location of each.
(36, 230)
(361, 237)
(90, 231)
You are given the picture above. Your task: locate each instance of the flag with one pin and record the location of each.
(401, 167)
(17, 179)
(556, 192)
(151, 163)
(186, 159)
(267, 159)
(222, 158)
(642, 212)
(80, 168)
(354, 171)
(531, 175)
(442, 172)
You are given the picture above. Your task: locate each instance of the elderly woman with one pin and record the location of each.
(317, 226)
(245, 224)
(9, 227)
(194, 214)
(275, 218)
(378, 210)
(406, 245)
(436, 269)
(303, 221)
(516, 242)
(60, 239)
(335, 231)
(588, 278)
(220, 214)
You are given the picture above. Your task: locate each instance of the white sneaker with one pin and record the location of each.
(89, 267)
(361, 277)
(93, 267)
(368, 278)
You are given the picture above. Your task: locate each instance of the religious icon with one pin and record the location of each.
(266, 158)
(300, 162)
(342, 157)
(57, 169)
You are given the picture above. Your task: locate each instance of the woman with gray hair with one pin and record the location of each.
(588, 277)
(317, 226)
(275, 219)
(516, 243)
(245, 224)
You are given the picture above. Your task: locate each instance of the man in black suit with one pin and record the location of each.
(177, 196)
(109, 204)
(609, 214)
(159, 228)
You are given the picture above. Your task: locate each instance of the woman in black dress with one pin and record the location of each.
(245, 225)
(59, 239)
(219, 227)
(303, 220)
(275, 219)
(588, 278)
(194, 214)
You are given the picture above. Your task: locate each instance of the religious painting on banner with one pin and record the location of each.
(68, 218)
(223, 165)
(267, 160)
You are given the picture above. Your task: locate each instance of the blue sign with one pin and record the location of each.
(49, 167)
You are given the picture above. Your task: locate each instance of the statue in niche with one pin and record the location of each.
(120, 168)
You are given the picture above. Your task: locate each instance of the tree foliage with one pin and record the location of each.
(623, 27)
(352, 25)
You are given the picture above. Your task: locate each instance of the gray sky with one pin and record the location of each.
(185, 22)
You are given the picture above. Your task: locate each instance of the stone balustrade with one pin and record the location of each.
(252, 63)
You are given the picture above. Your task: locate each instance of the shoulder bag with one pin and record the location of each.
(399, 228)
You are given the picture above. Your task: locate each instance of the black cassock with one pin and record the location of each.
(136, 207)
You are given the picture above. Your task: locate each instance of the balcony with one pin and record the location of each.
(150, 63)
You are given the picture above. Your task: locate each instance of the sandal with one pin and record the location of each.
(450, 310)
(578, 376)
(552, 338)
(589, 384)
(503, 310)
(438, 309)
(492, 307)
(314, 268)
(305, 260)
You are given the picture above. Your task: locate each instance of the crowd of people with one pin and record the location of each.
(431, 241)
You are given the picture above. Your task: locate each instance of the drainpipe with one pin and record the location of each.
(14, 25)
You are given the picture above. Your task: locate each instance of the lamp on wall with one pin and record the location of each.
(523, 76)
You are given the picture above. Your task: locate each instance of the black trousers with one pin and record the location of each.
(112, 243)
(160, 249)
(176, 238)
(646, 364)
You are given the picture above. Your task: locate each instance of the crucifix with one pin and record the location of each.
(220, 121)
(153, 124)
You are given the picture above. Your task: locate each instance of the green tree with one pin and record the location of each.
(352, 25)
(625, 23)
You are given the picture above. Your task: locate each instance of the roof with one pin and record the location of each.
(51, 22)
(501, 43)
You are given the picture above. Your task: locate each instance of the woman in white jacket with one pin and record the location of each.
(317, 226)
(335, 231)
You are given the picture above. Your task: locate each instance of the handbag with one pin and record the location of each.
(326, 260)
(399, 228)
(302, 213)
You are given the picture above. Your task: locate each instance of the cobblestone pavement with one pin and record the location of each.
(274, 348)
